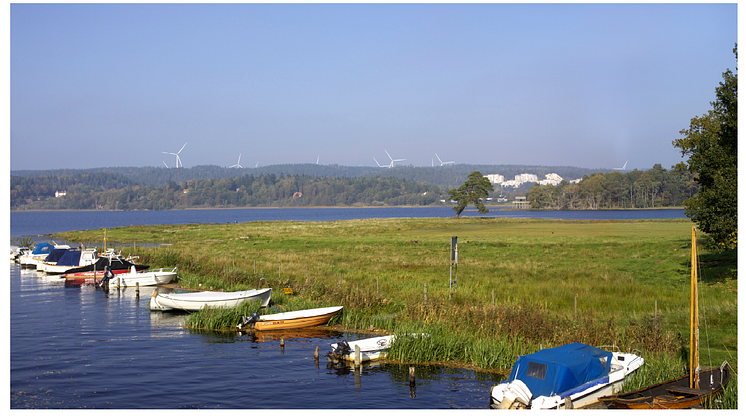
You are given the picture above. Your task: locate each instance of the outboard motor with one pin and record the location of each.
(249, 321)
(342, 349)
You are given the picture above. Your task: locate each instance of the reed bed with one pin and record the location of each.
(521, 284)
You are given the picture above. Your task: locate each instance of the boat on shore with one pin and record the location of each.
(691, 389)
(290, 319)
(147, 278)
(568, 376)
(195, 301)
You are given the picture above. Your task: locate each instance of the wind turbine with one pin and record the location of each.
(164, 163)
(379, 164)
(443, 163)
(317, 159)
(237, 165)
(623, 167)
(392, 160)
(178, 160)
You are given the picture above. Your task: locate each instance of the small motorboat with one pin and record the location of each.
(40, 252)
(96, 271)
(58, 264)
(146, 278)
(290, 319)
(371, 349)
(568, 376)
(195, 301)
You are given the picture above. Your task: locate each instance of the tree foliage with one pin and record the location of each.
(476, 189)
(652, 188)
(711, 145)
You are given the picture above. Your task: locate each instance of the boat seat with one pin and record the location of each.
(687, 390)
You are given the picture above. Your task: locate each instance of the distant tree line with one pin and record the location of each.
(652, 188)
(111, 192)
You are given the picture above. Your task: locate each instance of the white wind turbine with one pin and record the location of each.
(379, 164)
(237, 165)
(623, 167)
(392, 159)
(178, 160)
(443, 163)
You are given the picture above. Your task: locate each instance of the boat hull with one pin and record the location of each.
(673, 394)
(200, 300)
(142, 279)
(296, 319)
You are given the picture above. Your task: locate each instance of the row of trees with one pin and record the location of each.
(652, 188)
(244, 191)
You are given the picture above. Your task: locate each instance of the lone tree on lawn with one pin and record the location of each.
(474, 190)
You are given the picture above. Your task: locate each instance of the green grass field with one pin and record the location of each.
(522, 284)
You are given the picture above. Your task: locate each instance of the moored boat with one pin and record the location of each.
(290, 319)
(69, 259)
(96, 271)
(145, 278)
(194, 301)
(568, 376)
(40, 252)
(371, 349)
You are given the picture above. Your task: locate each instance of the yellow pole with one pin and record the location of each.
(694, 320)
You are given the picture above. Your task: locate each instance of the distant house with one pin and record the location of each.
(186, 190)
(58, 194)
(297, 194)
(521, 203)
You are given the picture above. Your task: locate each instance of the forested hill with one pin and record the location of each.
(447, 177)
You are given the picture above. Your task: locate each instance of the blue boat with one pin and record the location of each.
(568, 376)
(40, 252)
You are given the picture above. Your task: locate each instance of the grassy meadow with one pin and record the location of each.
(522, 284)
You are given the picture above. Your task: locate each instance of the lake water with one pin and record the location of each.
(31, 223)
(81, 347)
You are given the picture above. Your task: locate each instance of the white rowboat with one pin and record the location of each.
(194, 301)
(143, 278)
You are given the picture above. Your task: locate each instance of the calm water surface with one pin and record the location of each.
(80, 347)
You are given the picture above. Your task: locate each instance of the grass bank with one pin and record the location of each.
(521, 283)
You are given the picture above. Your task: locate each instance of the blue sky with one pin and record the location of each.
(588, 85)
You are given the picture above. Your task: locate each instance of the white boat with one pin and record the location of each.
(16, 252)
(371, 349)
(40, 252)
(569, 376)
(69, 259)
(194, 301)
(147, 278)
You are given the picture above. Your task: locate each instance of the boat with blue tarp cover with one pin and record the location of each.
(568, 376)
(40, 252)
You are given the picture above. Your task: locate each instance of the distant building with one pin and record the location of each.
(58, 194)
(494, 179)
(521, 203)
(297, 194)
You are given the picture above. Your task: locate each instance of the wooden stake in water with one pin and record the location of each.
(357, 355)
(412, 382)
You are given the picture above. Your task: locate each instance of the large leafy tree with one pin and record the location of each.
(476, 189)
(711, 145)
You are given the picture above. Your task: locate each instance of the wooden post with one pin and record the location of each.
(493, 297)
(282, 342)
(377, 286)
(576, 308)
(411, 377)
(137, 287)
(425, 292)
(357, 355)
(316, 354)
(656, 309)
